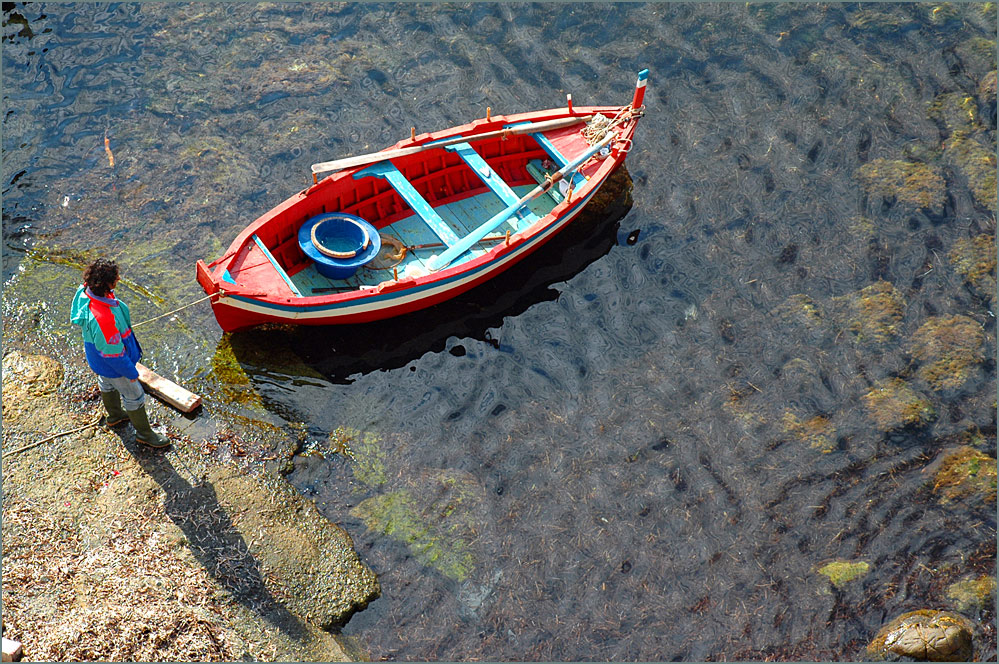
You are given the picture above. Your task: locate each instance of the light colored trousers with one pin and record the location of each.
(132, 394)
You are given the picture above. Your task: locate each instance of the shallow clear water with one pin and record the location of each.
(644, 444)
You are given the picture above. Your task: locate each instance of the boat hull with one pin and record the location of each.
(235, 312)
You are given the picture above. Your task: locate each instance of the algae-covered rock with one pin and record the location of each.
(880, 22)
(965, 473)
(948, 348)
(892, 404)
(972, 593)
(435, 516)
(874, 313)
(988, 85)
(841, 572)
(913, 183)
(801, 309)
(957, 111)
(978, 55)
(975, 260)
(978, 163)
(364, 449)
(817, 432)
(935, 636)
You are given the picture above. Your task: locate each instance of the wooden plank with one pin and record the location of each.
(12, 651)
(168, 391)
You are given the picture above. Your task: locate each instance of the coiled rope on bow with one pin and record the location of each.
(600, 124)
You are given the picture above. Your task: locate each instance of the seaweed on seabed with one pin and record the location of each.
(972, 593)
(975, 260)
(874, 313)
(817, 432)
(841, 572)
(912, 183)
(893, 405)
(948, 348)
(978, 163)
(965, 473)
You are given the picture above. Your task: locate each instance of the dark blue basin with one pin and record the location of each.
(339, 243)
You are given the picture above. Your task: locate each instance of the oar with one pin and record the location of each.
(443, 260)
(374, 157)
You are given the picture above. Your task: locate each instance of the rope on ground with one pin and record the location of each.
(96, 421)
(170, 313)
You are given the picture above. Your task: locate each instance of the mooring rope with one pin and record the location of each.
(170, 313)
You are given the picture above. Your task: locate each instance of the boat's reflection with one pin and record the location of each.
(343, 352)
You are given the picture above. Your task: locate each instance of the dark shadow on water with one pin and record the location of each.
(342, 352)
(213, 539)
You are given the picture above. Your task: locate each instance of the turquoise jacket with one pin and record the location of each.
(112, 350)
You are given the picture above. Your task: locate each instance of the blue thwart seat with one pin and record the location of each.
(387, 171)
(491, 178)
(553, 152)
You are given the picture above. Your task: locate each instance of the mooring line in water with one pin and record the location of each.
(170, 313)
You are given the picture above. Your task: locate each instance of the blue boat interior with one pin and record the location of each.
(460, 218)
(420, 207)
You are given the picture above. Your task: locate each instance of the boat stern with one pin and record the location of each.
(205, 278)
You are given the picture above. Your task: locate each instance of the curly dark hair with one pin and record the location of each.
(100, 276)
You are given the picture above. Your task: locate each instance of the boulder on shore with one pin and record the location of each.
(925, 635)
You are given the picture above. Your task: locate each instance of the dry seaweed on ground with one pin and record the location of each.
(136, 587)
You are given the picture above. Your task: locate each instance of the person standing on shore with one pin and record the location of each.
(112, 350)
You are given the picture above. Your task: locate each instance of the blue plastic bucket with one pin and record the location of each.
(339, 243)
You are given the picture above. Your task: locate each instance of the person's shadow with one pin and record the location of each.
(213, 538)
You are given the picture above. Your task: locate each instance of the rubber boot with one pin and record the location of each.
(143, 432)
(112, 406)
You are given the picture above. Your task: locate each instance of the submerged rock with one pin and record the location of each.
(817, 432)
(892, 404)
(977, 162)
(957, 111)
(971, 594)
(965, 473)
(435, 516)
(948, 350)
(934, 636)
(975, 260)
(913, 183)
(841, 572)
(874, 313)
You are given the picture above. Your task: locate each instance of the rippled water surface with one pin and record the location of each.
(645, 443)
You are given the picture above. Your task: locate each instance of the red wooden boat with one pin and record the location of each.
(418, 223)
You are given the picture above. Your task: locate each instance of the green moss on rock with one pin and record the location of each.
(841, 572)
(892, 404)
(935, 636)
(912, 183)
(948, 348)
(973, 593)
(965, 473)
